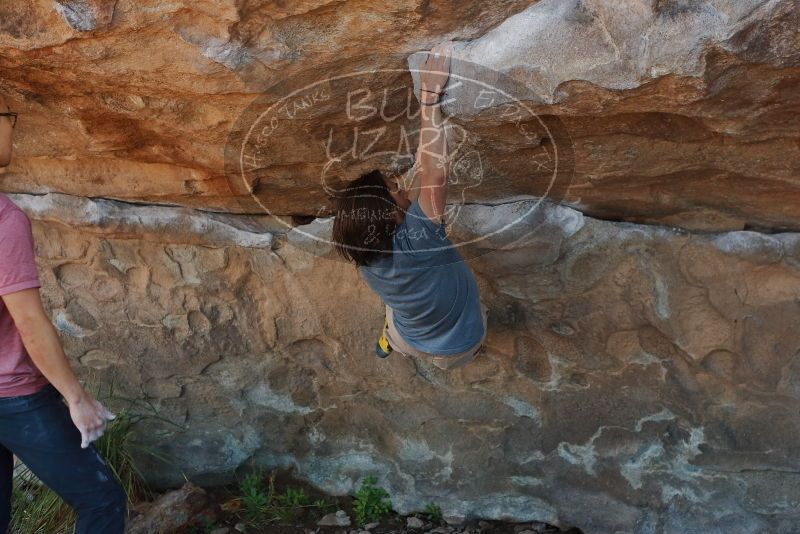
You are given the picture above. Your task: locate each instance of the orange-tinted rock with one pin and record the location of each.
(678, 114)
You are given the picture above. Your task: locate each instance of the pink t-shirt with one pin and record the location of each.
(18, 374)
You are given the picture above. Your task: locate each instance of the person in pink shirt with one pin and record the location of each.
(47, 419)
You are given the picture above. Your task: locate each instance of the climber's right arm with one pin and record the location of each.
(432, 152)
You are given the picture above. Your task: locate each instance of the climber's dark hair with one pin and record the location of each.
(364, 223)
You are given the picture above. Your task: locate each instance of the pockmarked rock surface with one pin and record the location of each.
(682, 113)
(636, 378)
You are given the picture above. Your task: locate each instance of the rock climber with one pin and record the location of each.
(397, 238)
(51, 438)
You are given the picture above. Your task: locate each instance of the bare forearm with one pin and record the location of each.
(432, 144)
(44, 347)
(433, 159)
(412, 179)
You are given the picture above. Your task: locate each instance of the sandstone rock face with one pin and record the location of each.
(637, 378)
(683, 113)
(642, 371)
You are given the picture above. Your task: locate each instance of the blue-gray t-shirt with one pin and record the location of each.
(429, 286)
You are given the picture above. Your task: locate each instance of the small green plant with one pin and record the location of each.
(258, 504)
(323, 506)
(293, 497)
(432, 513)
(255, 498)
(290, 503)
(370, 502)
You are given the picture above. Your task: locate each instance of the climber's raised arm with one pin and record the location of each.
(411, 180)
(432, 152)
